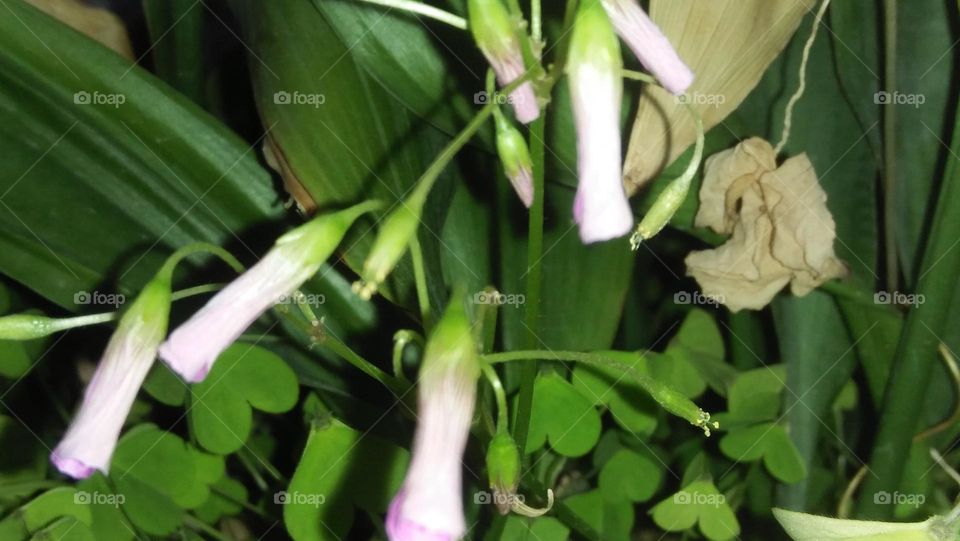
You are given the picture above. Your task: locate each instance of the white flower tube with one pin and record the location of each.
(429, 505)
(650, 46)
(596, 89)
(193, 347)
(92, 436)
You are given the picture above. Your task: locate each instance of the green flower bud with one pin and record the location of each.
(517, 165)
(503, 470)
(492, 28)
(396, 232)
(26, 326)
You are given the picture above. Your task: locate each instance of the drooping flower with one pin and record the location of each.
(429, 504)
(515, 156)
(193, 347)
(497, 38)
(648, 43)
(92, 436)
(596, 88)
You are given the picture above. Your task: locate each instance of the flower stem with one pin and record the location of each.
(502, 413)
(420, 278)
(890, 147)
(419, 8)
(528, 372)
(670, 399)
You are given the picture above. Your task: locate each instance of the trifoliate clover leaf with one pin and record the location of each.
(244, 377)
(770, 442)
(563, 416)
(698, 503)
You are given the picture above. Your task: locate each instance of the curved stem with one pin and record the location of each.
(400, 341)
(420, 279)
(419, 8)
(502, 412)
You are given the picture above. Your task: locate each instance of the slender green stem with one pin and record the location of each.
(394, 384)
(917, 349)
(502, 412)
(420, 278)
(528, 373)
(253, 471)
(420, 8)
(196, 290)
(890, 148)
(670, 399)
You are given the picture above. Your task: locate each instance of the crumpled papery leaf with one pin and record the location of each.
(728, 44)
(781, 230)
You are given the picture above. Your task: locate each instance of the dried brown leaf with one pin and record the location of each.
(728, 44)
(782, 231)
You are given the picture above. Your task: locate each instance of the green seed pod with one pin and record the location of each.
(503, 470)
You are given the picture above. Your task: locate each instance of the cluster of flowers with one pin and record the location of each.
(594, 67)
(429, 504)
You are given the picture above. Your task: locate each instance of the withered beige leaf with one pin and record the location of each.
(781, 229)
(728, 44)
(99, 24)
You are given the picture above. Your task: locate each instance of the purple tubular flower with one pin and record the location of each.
(496, 36)
(648, 43)
(596, 89)
(193, 347)
(92, 436)
(523, 98)
(429, 506)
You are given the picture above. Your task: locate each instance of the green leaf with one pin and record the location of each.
(163, 385)
(630, 476)
(816, 370)
(341, 469)
(136, 171)
(402, 54)
(109, 521)
(698, 503)
(563, 416)
(43, 510)
(770, 442)
(226, 498)
(755, 394)
(158, 476)
(614, 520)
(580, 283)
(244, 376)
(539, 529)
(700, 343)
(611, 386)
(176, 35)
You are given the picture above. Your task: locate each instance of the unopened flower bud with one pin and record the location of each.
(515, 156)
